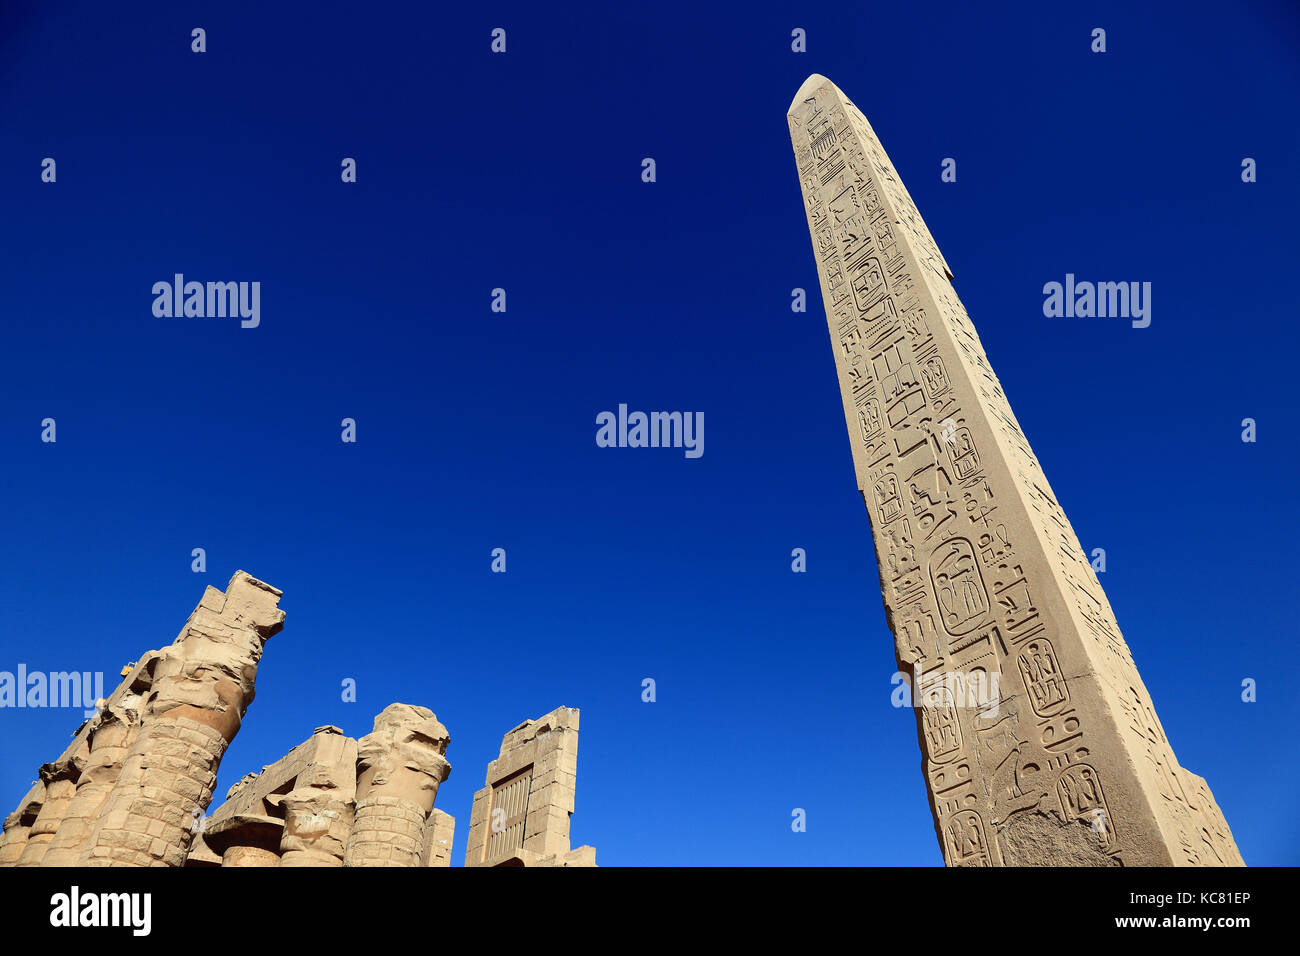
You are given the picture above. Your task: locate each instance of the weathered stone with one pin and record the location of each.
(400, 767)
(981, 574)
(200, 855)
(18, 824)
(60, 780)
(112, 732)
(319, 810)
(439, 832)
(202, 685)
(521, 818)
(245, 839)
(132, 786)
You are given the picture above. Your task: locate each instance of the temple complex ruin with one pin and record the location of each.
(981, 574)
(134, 785)
(521, 816)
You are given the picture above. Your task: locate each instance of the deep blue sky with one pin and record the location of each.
(476, 429)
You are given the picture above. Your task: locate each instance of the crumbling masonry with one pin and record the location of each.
(132, 787)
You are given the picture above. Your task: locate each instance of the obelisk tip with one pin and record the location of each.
(808, 90)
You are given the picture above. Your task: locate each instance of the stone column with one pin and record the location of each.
(18, 825)
(400, 766)
(319, 810)
(203, 684)
(246, 839)
(112, 732)
(60, 787)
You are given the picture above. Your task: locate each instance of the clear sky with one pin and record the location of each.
(476, 429)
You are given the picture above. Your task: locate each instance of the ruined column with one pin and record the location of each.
(111, 735)
(319, 810)
(60, 778)
(203, 684)
(984, 582)
(400, 766)
(14, 838)
(246, 839)
(18, 825)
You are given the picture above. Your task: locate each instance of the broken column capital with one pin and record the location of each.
(208, 673)
(318, 814)
(199, 688)
(108, 737)
(60, 779)
(403, 757)
(400, 765)
(245, 839)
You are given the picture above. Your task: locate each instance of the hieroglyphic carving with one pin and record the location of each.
(979, 567)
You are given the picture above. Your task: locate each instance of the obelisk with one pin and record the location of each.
(984, 583)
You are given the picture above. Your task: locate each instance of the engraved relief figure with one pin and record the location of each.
(834, 276)
(965, 838)
(869, 419)
(888, 504)
(825, 241)
(917, 635)
(958, 586)
(965, 460)
(1043, 678)
(902, 555)
(939, 722)
(934, 377)
(1080, 791)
